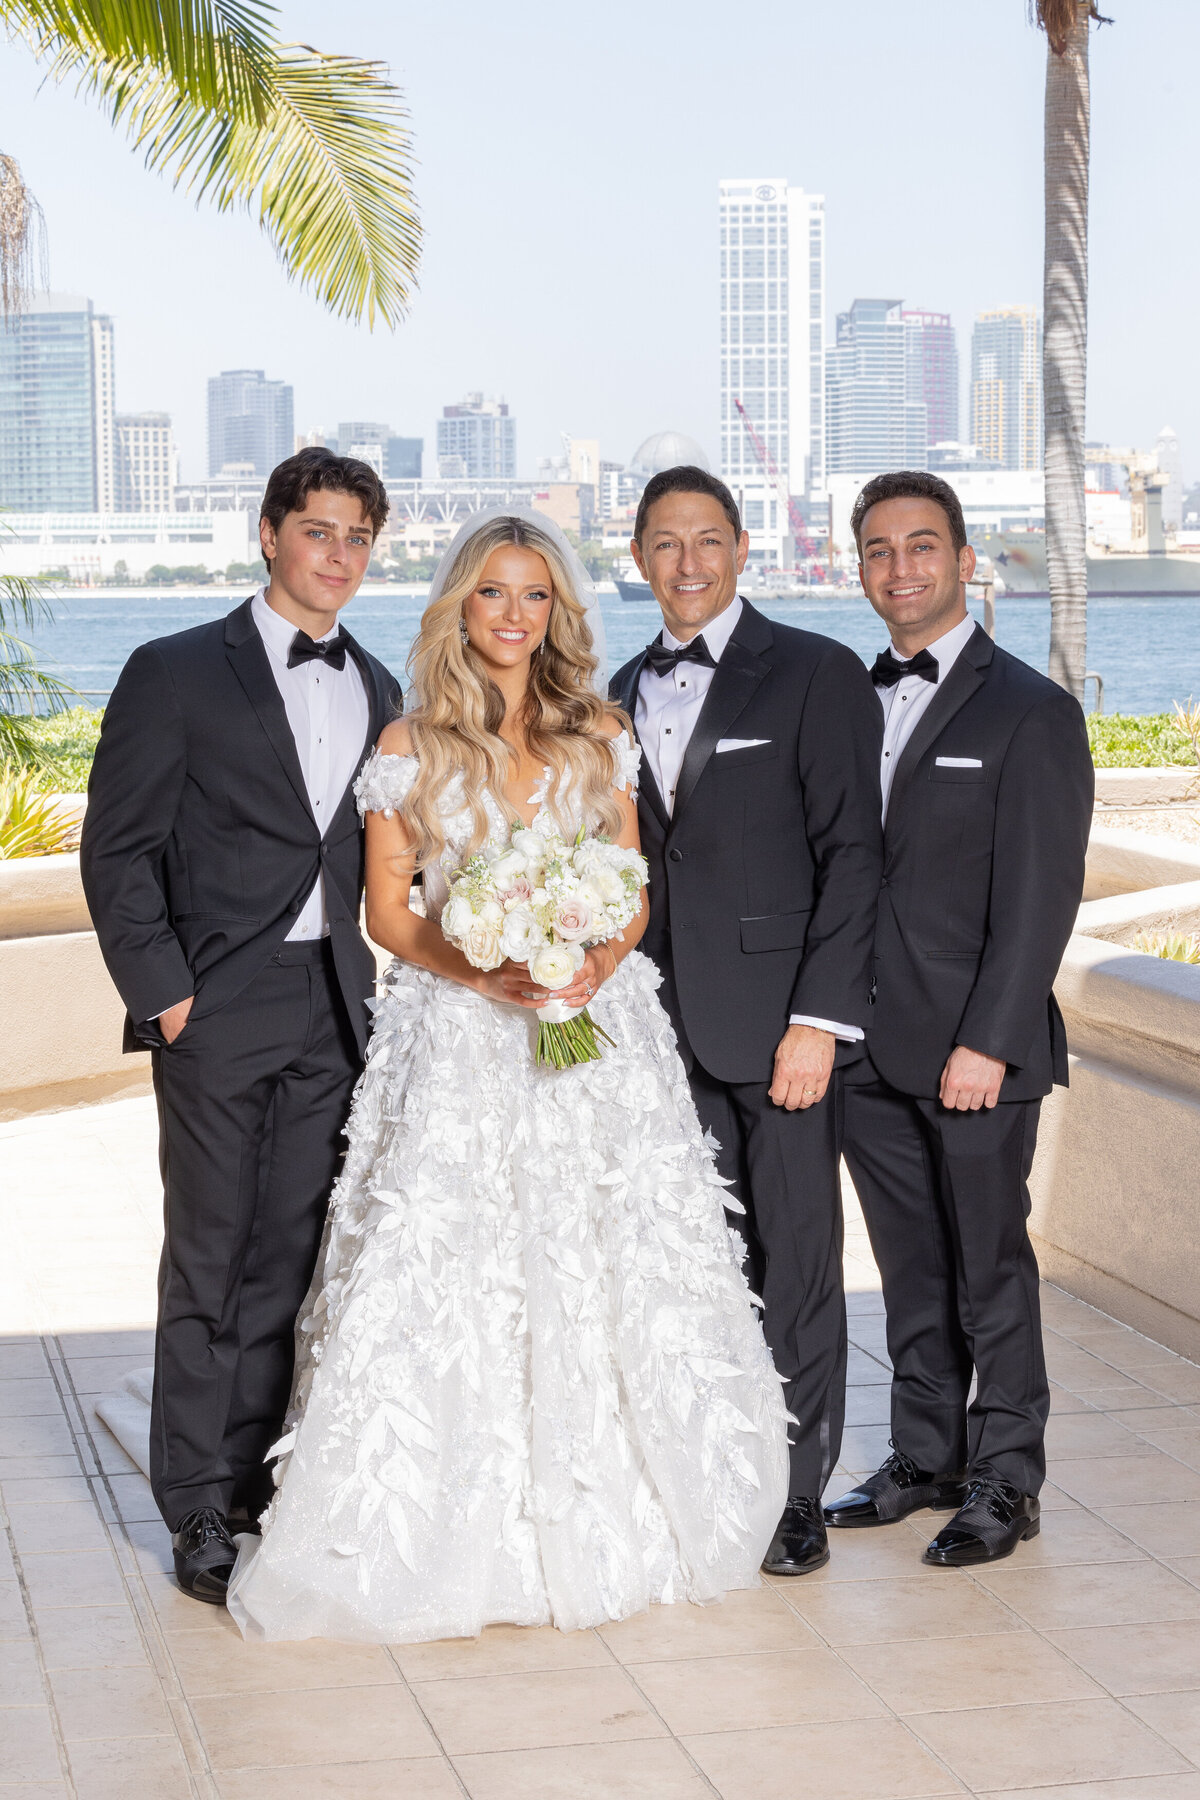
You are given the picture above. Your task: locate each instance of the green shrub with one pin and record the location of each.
(66, 743)
(30, 824)
(1137, 741)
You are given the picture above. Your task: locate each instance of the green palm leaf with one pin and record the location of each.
(215, 51)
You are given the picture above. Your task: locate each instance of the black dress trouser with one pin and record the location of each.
(783, 1168)
(252, 1102)
(945, 1198)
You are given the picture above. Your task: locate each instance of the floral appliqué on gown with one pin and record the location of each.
(532, 1388)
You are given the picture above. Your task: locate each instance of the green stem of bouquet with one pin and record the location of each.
(561, 1046)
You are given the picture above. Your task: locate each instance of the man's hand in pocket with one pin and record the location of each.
(172, 1022)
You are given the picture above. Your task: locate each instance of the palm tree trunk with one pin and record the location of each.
(1064, 355)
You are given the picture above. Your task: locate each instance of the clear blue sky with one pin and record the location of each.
(569, 157)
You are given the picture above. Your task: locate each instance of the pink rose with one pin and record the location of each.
(520, 890)
(573, 921)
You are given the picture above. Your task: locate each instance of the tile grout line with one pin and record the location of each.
(674, 1737)
(201, 1778)
(434, 1733)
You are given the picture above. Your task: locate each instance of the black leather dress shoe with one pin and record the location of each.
(894, 1491)
(204, 1555)
(996, 1517)
(799, 1545)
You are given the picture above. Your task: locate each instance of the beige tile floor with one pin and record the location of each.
(1071, 1671)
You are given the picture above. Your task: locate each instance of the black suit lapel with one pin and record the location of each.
(964, 679)
(626, 696)
(378, 715)
(248, 656)
(734, 681)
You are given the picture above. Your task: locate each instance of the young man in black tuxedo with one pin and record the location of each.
(987, 785)
(222, 860)
(764, 852)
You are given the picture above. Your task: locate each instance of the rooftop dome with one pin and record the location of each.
(667, 450)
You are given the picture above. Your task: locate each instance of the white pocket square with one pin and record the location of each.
(958, 762)
(740, 743)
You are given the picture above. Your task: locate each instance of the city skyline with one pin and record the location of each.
(583, 285)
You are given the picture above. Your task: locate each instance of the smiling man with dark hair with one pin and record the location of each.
(222, 859)
(987, 793)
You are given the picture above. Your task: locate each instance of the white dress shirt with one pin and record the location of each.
(907, 699)
(667, 709)
(328, 712)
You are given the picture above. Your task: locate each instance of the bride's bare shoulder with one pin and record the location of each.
(613, 723)
(395, 739)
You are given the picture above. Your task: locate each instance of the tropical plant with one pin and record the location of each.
(31, 823)
(1137, 741)
(24, 686)
(66, 743)
(1066, 24)
(316, 145)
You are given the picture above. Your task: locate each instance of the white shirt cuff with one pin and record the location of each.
(849, 1034)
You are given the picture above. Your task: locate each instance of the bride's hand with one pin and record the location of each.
(599, 965)
(513, 984)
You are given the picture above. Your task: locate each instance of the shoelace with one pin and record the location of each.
(899, 1464)
(998, 1497)
(204, 1527)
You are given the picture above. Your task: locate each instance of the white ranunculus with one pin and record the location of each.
(482, 947)
(591, 894)
(538, 897)
(609, 883)
(522, 934)
(554, 965)
(492, 913)
(456, 917)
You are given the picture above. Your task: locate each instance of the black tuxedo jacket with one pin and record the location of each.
(983, 874)
(199, 845)
(765, 878)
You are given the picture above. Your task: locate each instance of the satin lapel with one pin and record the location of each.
(964, 679)
(248, 656)
(736, 676)
(627, 699)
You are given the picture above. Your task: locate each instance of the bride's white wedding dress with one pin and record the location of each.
(533, 1389)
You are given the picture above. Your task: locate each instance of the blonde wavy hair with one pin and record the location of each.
(455, 723)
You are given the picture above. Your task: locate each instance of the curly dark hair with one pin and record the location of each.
(910, 484)
(686, 479)
(315, 470)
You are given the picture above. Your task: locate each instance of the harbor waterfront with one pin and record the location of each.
(1146, 650)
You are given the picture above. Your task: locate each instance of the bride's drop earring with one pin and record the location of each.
(463, 632)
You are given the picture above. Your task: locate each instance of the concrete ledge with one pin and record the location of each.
(63, 1017)
(1124, 862)
(1124, 916)
(40, 895)
(1146, 787)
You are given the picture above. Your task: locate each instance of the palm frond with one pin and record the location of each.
(329, 171)
(22, 601)
(215, 52)
(23, 678)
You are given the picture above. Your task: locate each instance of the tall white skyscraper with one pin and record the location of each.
(772, 350)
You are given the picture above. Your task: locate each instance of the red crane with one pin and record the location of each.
(795, 519)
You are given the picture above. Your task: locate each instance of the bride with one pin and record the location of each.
(532, 1386)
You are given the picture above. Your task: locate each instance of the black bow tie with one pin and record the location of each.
(329, 650)
(662, 660)
(888, 669)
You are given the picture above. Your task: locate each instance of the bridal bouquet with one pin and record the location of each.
(543, 901)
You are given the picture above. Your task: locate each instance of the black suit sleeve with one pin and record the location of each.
(133, 795)
(841, 738)
(1043, 815)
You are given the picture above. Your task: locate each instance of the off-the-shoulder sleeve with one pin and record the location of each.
(628, 759)
(385, 783)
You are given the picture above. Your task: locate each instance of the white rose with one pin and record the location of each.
(522, 934)
(508, 867)
(539, 897)
(610, 884)
(456, 917)
(554, 965)
(492, 913)
(482, 947)
(590, 894)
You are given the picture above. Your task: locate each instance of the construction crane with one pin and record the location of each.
(795, 519)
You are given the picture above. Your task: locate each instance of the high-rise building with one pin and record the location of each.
(477, 438)
(56, 407)
(875, 417)
(1006, 387)
(772, 346)
(933, 371)
(393, 458)
(145, 463)
(249, 421)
